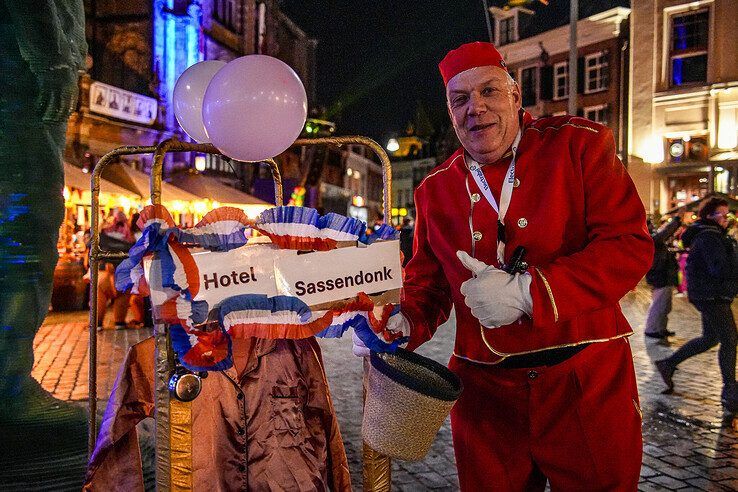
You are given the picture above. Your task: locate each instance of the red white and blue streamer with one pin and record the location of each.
(304, 228)
(198, 346)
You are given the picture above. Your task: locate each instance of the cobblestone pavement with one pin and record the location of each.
(688, 444)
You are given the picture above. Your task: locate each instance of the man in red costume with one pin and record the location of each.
(549, 386)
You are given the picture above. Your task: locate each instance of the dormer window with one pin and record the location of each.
(506, 27)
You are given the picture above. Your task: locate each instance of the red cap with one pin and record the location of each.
(470, 55)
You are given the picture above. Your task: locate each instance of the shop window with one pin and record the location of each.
(529, 85)
(686, 189)
(688, 48)
(688, 149)
(597, 113)
(596, 72)
(561, 80)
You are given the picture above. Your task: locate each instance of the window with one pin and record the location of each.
(597, 113)
(561, 80)
(506, 30)
(528, 85)
(596, 73)
(688, 48)
(226, 12)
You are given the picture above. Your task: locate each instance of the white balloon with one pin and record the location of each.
(254, 108)
(188, 95)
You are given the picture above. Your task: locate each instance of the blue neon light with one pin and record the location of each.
(176, 46)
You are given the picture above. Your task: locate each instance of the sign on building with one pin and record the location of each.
(118, 103)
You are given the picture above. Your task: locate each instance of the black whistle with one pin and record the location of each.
(517, 263)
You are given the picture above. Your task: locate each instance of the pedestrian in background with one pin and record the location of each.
(712, 276)
(137, 307)
(116, 236)
(407, 231)
(662, 277)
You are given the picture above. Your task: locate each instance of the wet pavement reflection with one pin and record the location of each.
(689, 443)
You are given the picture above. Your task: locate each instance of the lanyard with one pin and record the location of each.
(505, 195)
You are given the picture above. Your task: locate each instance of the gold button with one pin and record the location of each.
(477, 236)
(516, 183)
(522, 222)
(475, 197)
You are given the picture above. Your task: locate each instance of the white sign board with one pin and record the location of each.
(317, 277)
(112, 101)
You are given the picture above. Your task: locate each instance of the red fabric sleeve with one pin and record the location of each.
(426, 300)
(619, 249)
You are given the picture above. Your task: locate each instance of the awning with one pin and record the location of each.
(210, 188)
(75, 178)
(730, 155)
(139, 183)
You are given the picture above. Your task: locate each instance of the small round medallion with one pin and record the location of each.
(477, 236)
(475, 197)
(522, 222)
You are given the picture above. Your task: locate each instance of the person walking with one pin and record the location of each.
(712, 283)
(662, 277)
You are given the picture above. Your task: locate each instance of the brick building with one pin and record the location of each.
(535, 45)
(684, 100)
(138, 48)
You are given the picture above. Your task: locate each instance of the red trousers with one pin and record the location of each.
(577, 424)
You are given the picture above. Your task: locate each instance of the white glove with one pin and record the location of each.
(396, 324)
(495, 297)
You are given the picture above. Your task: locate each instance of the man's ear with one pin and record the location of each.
(517, 98)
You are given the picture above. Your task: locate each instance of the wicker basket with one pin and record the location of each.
(407, 399)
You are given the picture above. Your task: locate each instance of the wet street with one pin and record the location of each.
(688, 444)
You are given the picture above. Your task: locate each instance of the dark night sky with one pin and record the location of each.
(378, 58)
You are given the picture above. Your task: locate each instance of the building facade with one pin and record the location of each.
(539, 61)
(411, 162)
(683, 128)
(138, 49)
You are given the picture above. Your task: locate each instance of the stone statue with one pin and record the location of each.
(42, 51)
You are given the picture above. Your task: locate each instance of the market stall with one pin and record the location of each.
(184, 205)
(216, 193)
(69, 285)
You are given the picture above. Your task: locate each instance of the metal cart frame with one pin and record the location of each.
(172, 414)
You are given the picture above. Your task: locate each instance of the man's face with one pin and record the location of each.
(721, 216)
(484, 103)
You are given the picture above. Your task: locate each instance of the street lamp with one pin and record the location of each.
(393, 145)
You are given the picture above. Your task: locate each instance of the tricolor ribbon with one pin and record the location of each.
(198, 345)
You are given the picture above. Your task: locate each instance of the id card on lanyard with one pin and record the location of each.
(505, 195)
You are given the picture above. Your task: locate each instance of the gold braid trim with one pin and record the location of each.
(505, 355)
(181, 444)
(550, 294)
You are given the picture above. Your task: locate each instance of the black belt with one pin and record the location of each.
(549, 357)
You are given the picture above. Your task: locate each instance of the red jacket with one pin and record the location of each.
(576, 211)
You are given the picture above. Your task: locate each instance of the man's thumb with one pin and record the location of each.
(472, 264)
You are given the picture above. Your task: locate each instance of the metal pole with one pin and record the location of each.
(573, 52)
(376, 467)
(489, 24)
(378, 150)
(95, 256)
